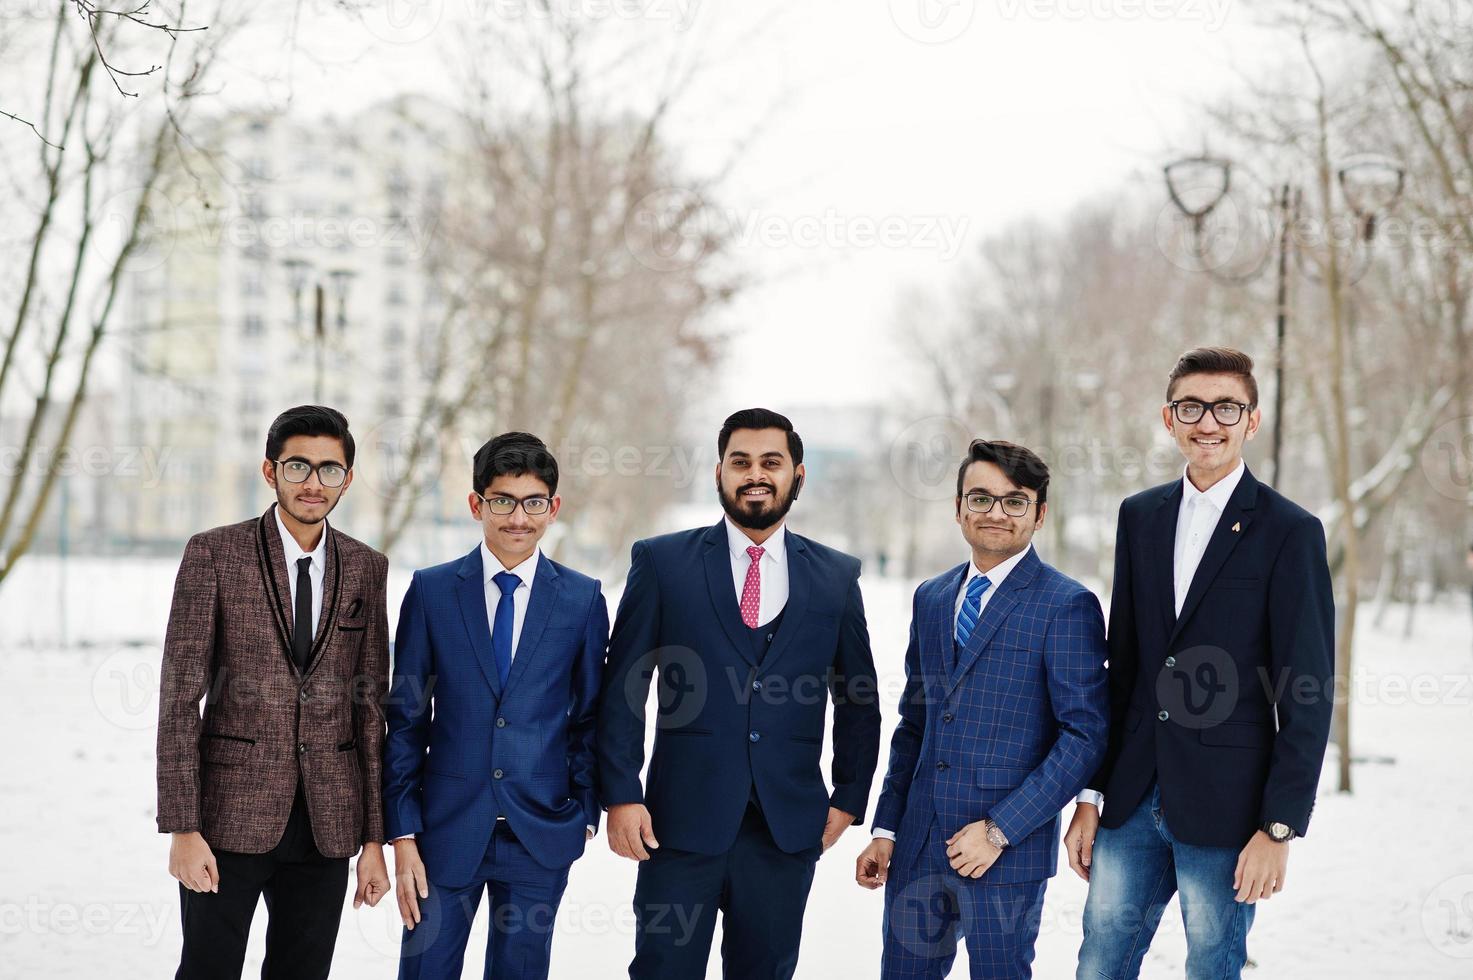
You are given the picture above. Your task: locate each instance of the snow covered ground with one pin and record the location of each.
(1382, 887)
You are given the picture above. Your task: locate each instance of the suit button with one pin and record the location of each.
(500, 722)
(1171, 661)
(769, 637)
(942, 767)
(947, 717)
(301, 748)
(756, 685)
(1163, 715)
(754, 736)
(302, 695)
(498, 774)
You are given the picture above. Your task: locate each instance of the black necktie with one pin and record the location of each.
(302, 615)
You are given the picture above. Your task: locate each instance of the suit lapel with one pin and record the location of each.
(800, 581)
(546, 590)
(941, 625)
(723, 594)
(471, 594)
(271, 561)
(1160, 543)
(997, 610)
(1237, 513)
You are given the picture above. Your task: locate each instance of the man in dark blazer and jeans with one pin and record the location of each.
(750, 629)
(1221, 641)
(279, 624)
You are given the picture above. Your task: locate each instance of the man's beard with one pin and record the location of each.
(759, 520)
(281, 501)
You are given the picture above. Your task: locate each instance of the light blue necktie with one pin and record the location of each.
(966, 620)
(505, 619)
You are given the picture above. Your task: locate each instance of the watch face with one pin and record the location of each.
(1279, 831)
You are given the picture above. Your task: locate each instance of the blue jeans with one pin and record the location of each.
(1135, 869)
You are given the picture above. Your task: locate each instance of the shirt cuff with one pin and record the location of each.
(1091, 796)
(593, 830)
(402, 837)
(882, 834)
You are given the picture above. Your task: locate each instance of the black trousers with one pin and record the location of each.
(304, 894)
(759, 889)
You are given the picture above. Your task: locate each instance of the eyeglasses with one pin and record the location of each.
(1190, 410)
(981, 503)
(330, 475)
(501, 505)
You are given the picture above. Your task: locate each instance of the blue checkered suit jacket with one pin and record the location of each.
(1014, 732)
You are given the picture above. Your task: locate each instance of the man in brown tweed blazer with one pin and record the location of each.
(279, 624)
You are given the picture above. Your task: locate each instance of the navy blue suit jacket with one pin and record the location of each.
(525, 752)
(725, 723)
(1228, 703)
(1013, 732)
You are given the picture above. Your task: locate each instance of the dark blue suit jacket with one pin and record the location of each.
(525, 752)
(1230, 702)
(724, 723)
(1013, 732)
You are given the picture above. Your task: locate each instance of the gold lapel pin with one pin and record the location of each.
(1237, 526)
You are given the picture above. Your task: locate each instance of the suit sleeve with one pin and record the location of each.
(188, 662)
(1301, 619)
(583, 714)
(854, 689)
(408, 716)
(371, 685)
(1124, 647)
(626, 683)
(905, 744)
(1074, 664)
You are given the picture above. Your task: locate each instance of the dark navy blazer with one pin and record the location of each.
(729, 719)
(1229, 703)
(525, 752)
(1013, 732)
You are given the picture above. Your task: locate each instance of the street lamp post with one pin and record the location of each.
(299, 272)
(1370, 184)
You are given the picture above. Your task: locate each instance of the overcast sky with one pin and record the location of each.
(894, 136)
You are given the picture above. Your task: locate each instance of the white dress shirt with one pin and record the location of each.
(1196, 519)
(526, 570)
(772, 569)
(995, 576)
(317, 571)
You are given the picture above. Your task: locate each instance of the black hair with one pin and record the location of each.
(309, 420)
(513, 454)
(1020, 465)
(759, 418)
(1215, 360)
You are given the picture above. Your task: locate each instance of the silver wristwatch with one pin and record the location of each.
(995, 836)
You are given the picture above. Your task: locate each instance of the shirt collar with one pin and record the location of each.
(294, 552)
(1218, 494)
(999, 571)
(526, 569)
(775, 547)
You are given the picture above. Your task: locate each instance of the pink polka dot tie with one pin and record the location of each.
(752, 588)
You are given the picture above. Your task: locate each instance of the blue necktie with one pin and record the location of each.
(966, 620)
(505, 618)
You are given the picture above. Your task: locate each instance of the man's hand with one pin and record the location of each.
(410, 882)
(193, 863)
(1079, 839)
(630, 831)
(1261, 869)
(873, 866)
(970, 851)
(837, 823)
(373, 875)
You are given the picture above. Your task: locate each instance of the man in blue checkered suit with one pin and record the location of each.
(1004, 718)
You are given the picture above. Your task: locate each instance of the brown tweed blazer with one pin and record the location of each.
(232, 775)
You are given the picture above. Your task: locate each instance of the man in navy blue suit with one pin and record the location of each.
(1222, 625)
(750, 629)
(1003, 719)
(493, 789)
